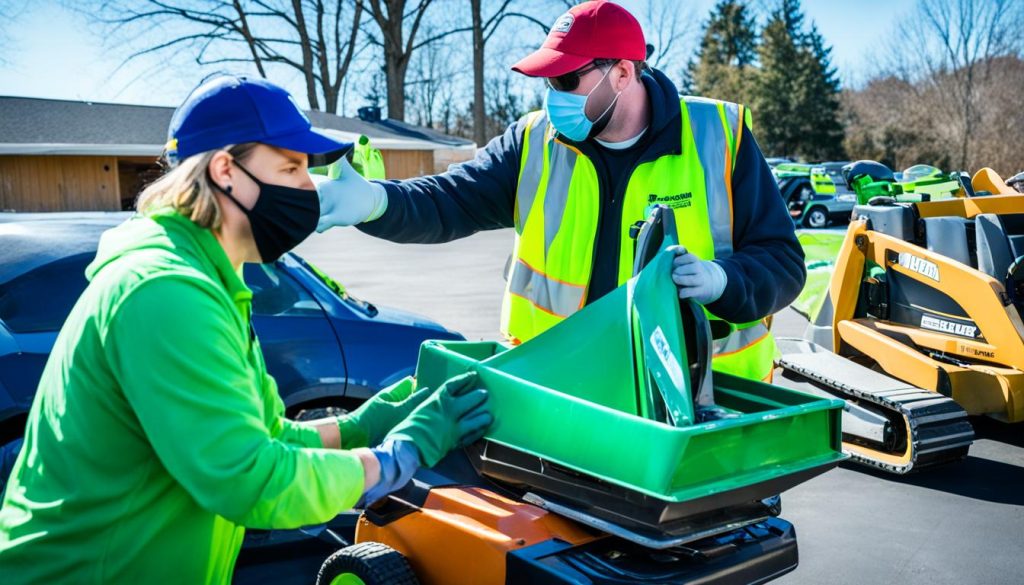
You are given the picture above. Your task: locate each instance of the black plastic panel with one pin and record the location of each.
(756, 554)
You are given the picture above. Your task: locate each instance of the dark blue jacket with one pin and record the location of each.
(765, 273)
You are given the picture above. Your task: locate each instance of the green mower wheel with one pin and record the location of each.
(366, 563)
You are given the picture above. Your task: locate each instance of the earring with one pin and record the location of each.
(228, 189)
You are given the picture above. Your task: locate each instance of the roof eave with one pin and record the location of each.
(56, 148)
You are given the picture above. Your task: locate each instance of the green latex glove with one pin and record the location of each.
(367, 425)
(454, 416)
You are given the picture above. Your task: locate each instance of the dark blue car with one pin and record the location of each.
(323, 346)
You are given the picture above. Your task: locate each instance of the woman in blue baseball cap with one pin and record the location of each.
(156, 435)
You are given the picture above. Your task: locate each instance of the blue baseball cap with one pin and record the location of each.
(232, 110)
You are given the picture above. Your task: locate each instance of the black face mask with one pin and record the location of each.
(282, 217)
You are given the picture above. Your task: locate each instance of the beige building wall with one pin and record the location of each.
(30, 183)
(404, 164)
(449, 156)
(59, 183)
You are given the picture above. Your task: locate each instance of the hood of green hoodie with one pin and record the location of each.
(168, 231)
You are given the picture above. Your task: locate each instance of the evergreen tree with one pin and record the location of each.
(824, 132)
(797, 93)
(724, 66)
(776, 104)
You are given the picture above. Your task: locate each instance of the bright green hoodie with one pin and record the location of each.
(156, 434)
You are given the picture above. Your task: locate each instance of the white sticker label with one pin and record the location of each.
(919, 265)
(935, 324)
(664, 351)
(564, 23)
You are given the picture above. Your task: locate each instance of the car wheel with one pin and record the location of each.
(816, 218)
(366, 563)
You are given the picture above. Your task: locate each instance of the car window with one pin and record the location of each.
(276, 293)
(41, 299)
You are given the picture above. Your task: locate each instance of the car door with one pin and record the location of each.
(299, 345)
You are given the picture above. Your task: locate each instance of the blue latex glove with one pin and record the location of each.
(349, 199)
(701, 280)
(399, 460)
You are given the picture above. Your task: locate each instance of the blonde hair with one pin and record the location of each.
(187, 188)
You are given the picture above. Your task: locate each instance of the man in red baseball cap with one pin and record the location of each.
(586, 42)
(614, 138)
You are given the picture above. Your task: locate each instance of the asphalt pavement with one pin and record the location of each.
(962, 523)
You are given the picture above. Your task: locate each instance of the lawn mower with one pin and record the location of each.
(919, 183)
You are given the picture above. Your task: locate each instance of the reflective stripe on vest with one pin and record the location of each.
(556, 218)
(561, 299)
(549, 277)
(740, 339)
(532, 167)
(748, 352)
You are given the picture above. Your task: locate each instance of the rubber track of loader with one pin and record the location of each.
(939, 429)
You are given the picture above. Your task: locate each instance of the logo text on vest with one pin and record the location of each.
(677, 201)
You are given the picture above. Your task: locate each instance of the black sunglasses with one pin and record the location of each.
(571, 81)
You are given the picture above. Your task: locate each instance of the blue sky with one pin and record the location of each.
(54, 54)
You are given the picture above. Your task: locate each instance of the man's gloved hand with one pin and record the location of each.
(368, 424)
(454, 416)
(398, 460)
(701, 280)
(349, 199)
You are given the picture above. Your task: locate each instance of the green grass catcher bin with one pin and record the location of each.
(575, 407)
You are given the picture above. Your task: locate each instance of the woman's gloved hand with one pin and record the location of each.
(348, 199)
(398, 460)
(454, 416)
(701, 280)
(368, 424)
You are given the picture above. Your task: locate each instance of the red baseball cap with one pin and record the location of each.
(591, 30)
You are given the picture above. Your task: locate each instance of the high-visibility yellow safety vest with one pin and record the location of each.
(821, 182)
(556, 217)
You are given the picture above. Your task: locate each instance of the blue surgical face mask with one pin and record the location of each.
(567, 112)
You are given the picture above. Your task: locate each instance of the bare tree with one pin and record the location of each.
(433, 77)
(670, 29)
(435, 89)
(949, 51)
(317, 39)
(507, 95)
(447, 108)
(888, 120)
(10, 12)
(483, 28)
(391, 17)
(505, 103)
